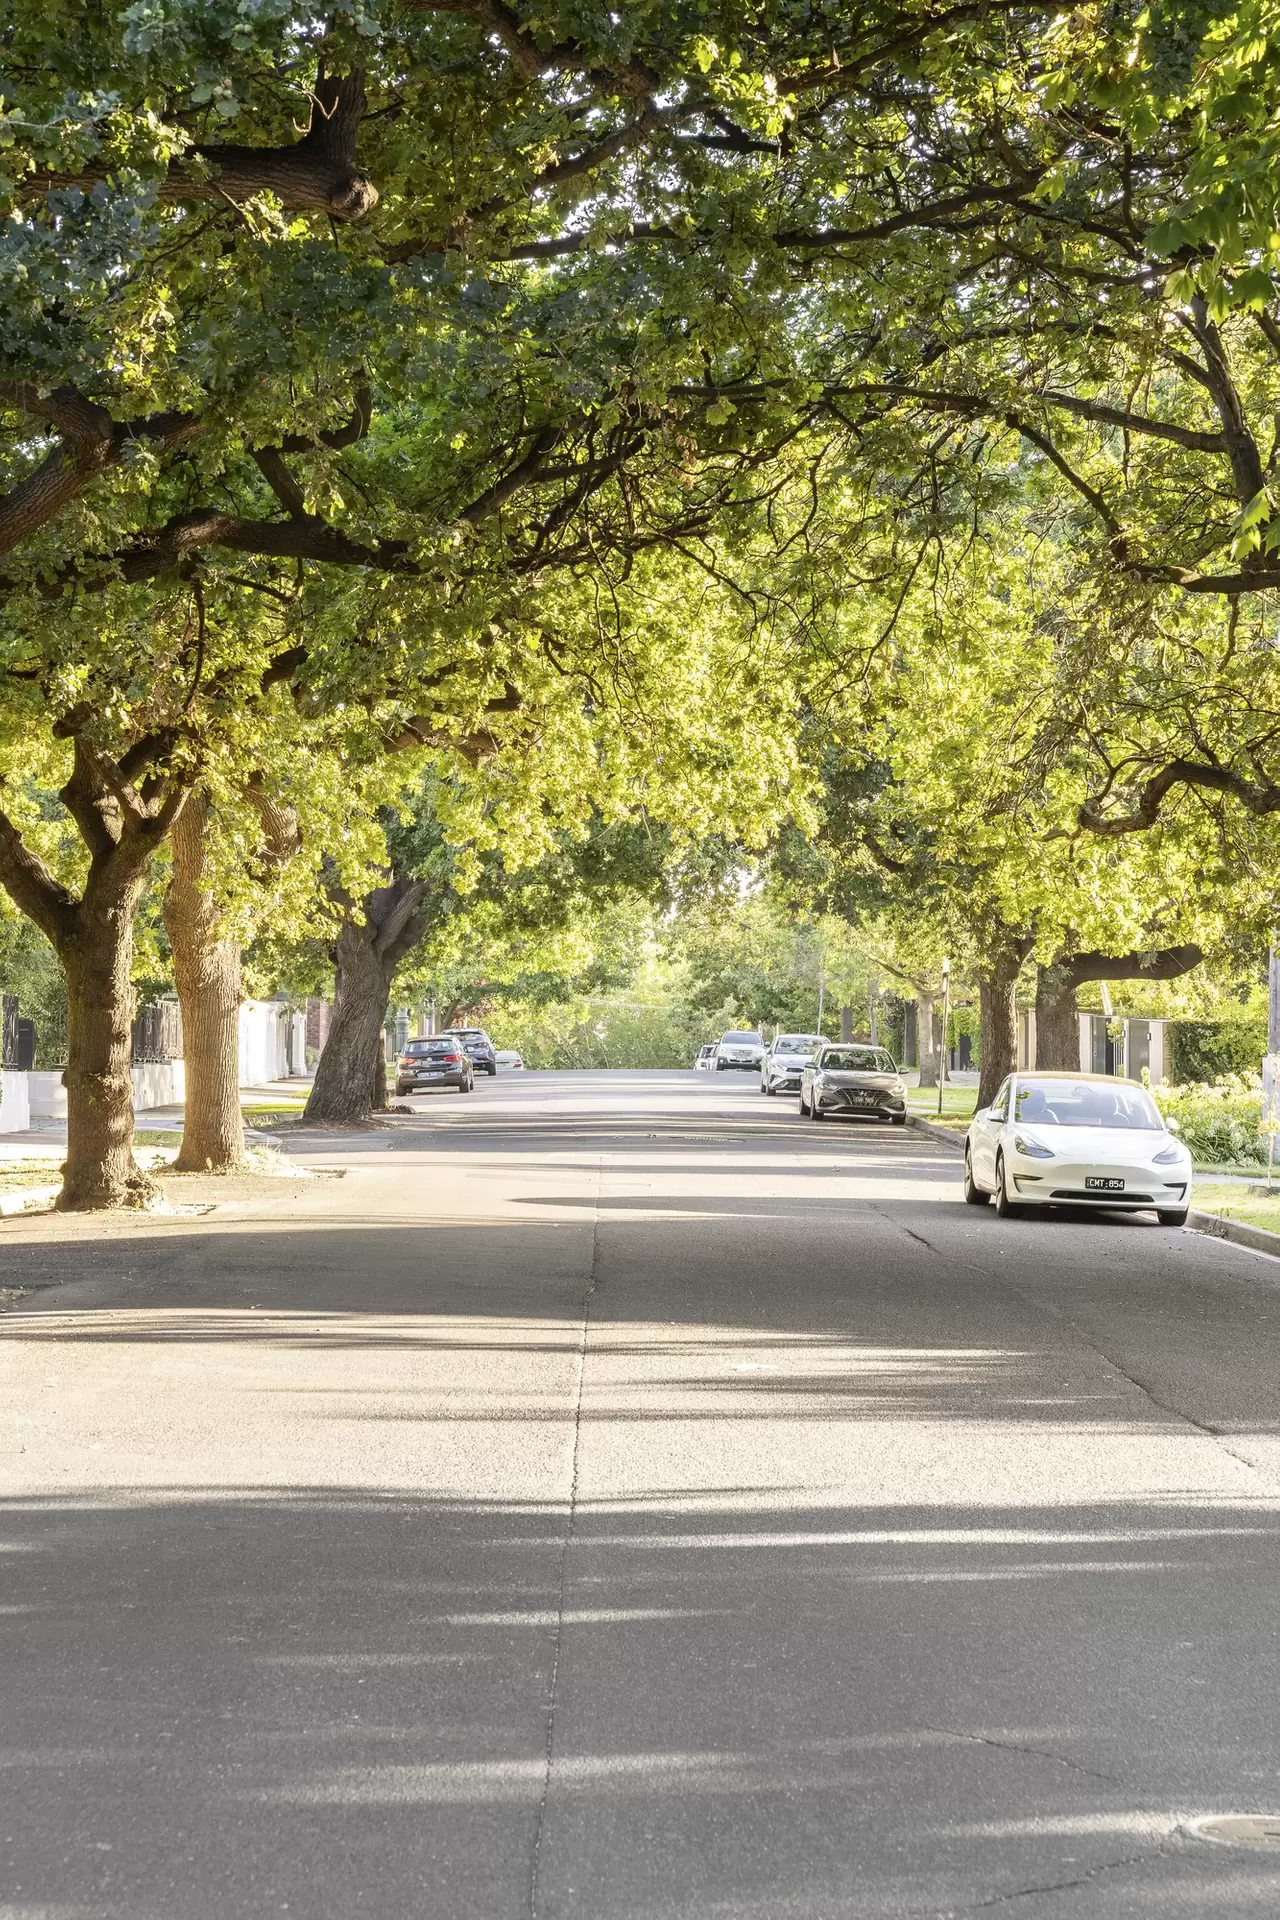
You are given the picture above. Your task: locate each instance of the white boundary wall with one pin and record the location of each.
(273, 1042)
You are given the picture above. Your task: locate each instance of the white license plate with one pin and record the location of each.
(1099, 1184)
(432, 1076)
(863, 1099)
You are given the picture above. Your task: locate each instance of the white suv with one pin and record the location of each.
(786, 1060)
(742, 1050)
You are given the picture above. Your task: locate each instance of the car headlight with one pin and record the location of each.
(1032, 1148)
(1167, 1156)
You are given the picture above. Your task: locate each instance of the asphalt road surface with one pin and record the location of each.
(616, 1498)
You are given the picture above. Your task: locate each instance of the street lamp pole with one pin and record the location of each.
(942, 1042)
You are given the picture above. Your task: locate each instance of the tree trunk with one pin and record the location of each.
(998, 1021)
(350, 1082)
(928, 1022)
(206, 968)
(97, 958)
(343, 1090)
(1057, 1021)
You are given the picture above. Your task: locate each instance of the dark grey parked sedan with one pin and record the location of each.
(435, 1062)
(848, 1079)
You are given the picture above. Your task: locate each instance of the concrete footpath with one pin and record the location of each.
(617, 1498)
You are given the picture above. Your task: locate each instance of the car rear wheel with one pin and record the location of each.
(492, 1071)
(1007, 1209)
(974, 1196)
(1172, 1216)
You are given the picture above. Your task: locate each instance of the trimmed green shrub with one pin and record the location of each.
(1203, 1051)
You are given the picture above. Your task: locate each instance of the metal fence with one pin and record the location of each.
(41, 1042)
(157, 1032)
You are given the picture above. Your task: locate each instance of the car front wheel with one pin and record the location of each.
(1007, 1209)
(1172, 1216)
(767, 1086)
(974, 1196)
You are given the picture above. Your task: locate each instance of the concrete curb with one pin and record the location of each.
(936, 1132)
(1217, 1228)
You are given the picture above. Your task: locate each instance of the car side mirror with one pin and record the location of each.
(1172, 1125)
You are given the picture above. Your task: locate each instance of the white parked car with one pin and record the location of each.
(785, 1060)
(706, 1060)
(739, 1049)
(1076, 1140)
(509, 1058)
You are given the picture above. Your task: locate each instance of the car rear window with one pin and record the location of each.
(431, 1047)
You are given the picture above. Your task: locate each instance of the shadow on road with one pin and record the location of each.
(356, 1687)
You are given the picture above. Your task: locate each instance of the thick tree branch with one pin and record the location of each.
(271, 464)
(316, 174)
(1257, 797)
(32, 887)
(91, 443)
(1158, 963)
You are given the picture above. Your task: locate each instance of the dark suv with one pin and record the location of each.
(437, 1062)
(478, 1046)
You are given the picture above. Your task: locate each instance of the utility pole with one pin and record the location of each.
(822, 994)
(942, 1044)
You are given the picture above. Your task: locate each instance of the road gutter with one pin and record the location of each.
(1217, 1227)
(936, 1132)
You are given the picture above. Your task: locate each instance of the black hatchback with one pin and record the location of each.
(477, 1045)
(438, 1062)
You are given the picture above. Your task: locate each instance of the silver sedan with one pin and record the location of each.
(853, 1080)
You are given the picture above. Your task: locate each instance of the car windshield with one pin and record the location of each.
(1086, 1103)
(794, 1042)
(858, 1060)
(751, 1039)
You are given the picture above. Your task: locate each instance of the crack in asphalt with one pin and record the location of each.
(549, 1752)
(1039, 1753)
(1048, 1886)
